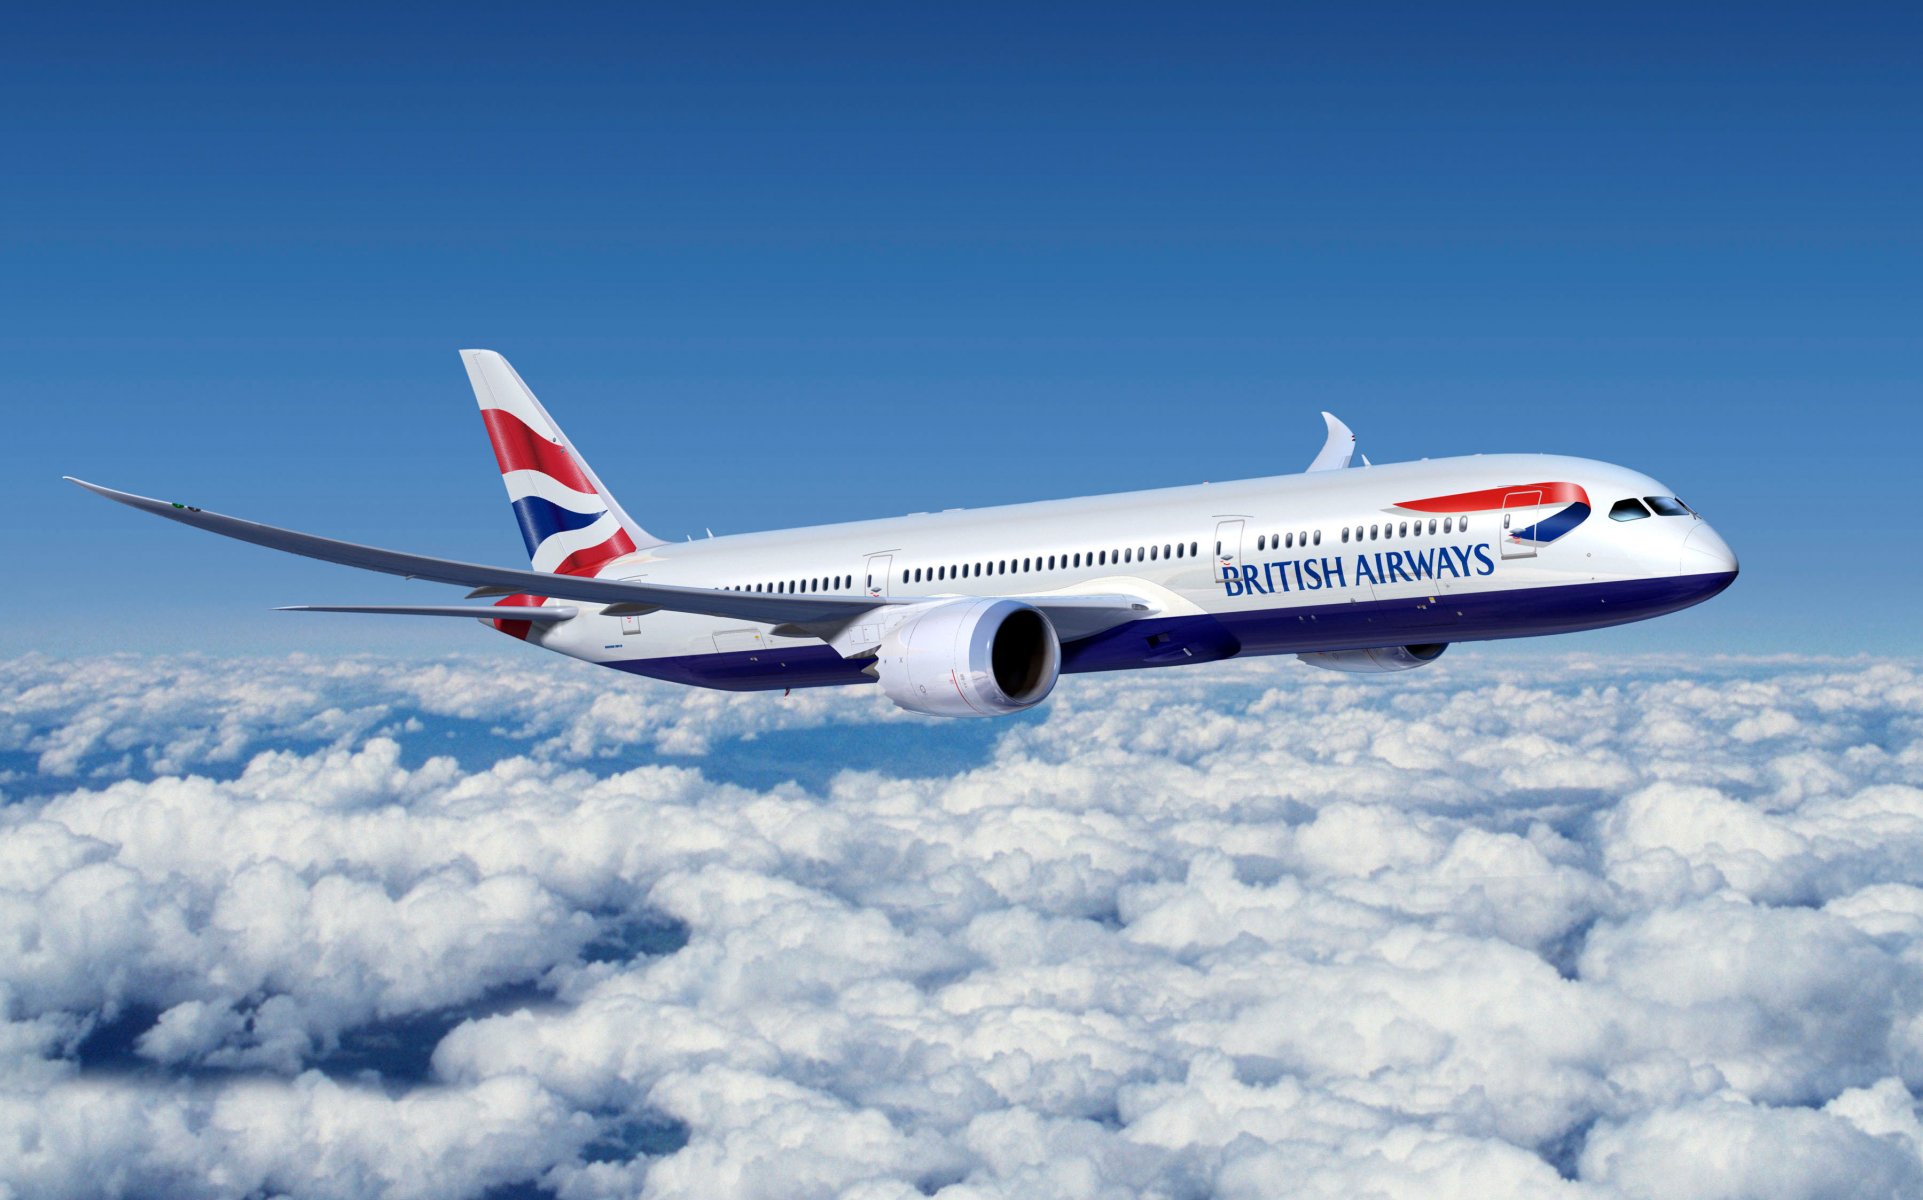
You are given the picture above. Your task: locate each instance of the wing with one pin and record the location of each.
(635, 597)
(544, 615)
(1079, 616)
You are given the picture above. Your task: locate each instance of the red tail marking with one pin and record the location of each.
(589, 559)
(518, 448)
(517, 629)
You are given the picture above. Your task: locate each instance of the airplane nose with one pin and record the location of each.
(1706, 553)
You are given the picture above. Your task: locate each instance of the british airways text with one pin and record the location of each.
(1384, 566)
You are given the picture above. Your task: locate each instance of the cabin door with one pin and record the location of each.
(1228, 550)
(875, 583)
(1520, 512)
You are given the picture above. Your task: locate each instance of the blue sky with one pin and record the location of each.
(773, 268)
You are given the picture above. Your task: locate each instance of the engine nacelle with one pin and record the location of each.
(1376, 659)
(970, 658)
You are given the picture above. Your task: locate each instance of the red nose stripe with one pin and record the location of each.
(1552, 493)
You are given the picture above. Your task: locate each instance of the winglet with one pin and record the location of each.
(1338, 449)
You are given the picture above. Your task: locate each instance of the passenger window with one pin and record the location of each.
(1432, 525)
(1628, 510)
(1667, 506)
(1318, 537)
(1192, 550)
(1448, 524)
(1261, 541)
(1345, 533)
(1372, 532)
(1402, 530)
(1463, 525)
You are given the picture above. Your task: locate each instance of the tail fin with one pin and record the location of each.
(571, 524)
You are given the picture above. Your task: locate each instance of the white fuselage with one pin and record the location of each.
(1330, 560)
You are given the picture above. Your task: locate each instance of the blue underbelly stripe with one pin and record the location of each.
(1173, 641)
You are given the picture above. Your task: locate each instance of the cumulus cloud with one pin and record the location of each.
(1505, 926)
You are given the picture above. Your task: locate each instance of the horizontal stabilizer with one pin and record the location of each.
(478, 612)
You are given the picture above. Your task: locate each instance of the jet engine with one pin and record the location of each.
(1376, 659)
(970, 658)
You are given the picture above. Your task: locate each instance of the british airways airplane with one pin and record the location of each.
(977, 612)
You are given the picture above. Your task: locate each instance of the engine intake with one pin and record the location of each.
(970, 658)
(1376, 659)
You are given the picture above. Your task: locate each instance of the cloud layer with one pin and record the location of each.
(1510, 925)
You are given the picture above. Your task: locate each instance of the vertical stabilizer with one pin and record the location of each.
(571, 524)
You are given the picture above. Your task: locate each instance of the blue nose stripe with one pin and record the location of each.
(1554, 526)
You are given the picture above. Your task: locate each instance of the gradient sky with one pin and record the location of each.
(772, 268)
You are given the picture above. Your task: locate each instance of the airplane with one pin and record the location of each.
(1349, 566)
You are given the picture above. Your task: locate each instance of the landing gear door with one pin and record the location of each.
(1228, 550)
(1520, 512)
(875, 583)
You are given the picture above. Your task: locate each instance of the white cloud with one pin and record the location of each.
(1500, 927)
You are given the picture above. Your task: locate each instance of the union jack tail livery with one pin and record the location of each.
(571, 524)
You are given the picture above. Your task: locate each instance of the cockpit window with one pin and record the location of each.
(1668, 506)
(1628, 510)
